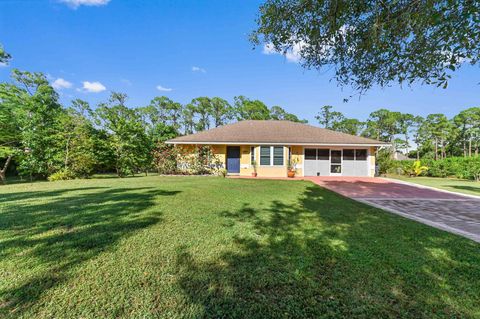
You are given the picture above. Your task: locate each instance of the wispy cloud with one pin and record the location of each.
(268, 49)
(89, 3)
(163, 89)
(293, 55)
(3, 65)
(92, 87)
(198, 69)
(60, 83)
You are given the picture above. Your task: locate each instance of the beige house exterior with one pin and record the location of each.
(273, 144)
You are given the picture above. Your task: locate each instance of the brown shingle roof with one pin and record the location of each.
(277, 132)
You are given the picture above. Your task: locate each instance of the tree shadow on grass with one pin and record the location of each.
(55, 231)
(328, 256)
(35, 195)
(473, 189)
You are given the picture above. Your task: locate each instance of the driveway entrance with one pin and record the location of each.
(454, 213)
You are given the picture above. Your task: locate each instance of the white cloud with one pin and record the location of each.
(60, 83)
(77, 3)
(93, 87)
(3, 65)
(268, 49)
(292, 55)
(198, 69)
(163, 89)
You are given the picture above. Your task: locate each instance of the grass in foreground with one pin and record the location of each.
(449, 184)
(210, 247)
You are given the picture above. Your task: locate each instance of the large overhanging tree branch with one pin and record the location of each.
(375, 42)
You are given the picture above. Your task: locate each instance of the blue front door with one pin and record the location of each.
(233, 159)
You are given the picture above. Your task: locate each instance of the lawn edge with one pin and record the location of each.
(400, 181)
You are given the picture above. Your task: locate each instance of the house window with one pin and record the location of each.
(271, 155)
(361, 155)
(265, 155)
(278, 155)
(252, 154)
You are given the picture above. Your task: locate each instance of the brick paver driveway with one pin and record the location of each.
(451, 212)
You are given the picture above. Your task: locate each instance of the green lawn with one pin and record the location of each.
(190, 247)
(449, 184)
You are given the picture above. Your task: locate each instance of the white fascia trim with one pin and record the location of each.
(268, 144)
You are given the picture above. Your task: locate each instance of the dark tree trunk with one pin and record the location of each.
(3, 172)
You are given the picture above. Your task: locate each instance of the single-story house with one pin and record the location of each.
(273, 144)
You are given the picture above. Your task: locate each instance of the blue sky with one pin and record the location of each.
(188, 49)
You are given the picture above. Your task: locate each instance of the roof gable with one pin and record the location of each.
(273, 132)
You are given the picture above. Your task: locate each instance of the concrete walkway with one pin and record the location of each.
(444, 210)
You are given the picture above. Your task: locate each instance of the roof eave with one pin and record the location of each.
(275, 143)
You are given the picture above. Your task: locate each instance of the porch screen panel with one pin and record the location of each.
(323, 162)
(361, 163)
(310, 154)
(348, 162)
(310, 162)
(323, 154)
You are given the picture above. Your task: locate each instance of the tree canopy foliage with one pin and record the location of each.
(434, 136)
(375, 42)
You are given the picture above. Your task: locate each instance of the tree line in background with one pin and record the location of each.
(40, 138)
(432, 137)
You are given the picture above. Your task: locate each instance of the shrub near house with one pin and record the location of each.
(170, 160)
(460, 167)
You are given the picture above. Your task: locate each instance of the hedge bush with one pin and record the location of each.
(460, 167)
(172, 160)
(62, 175)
